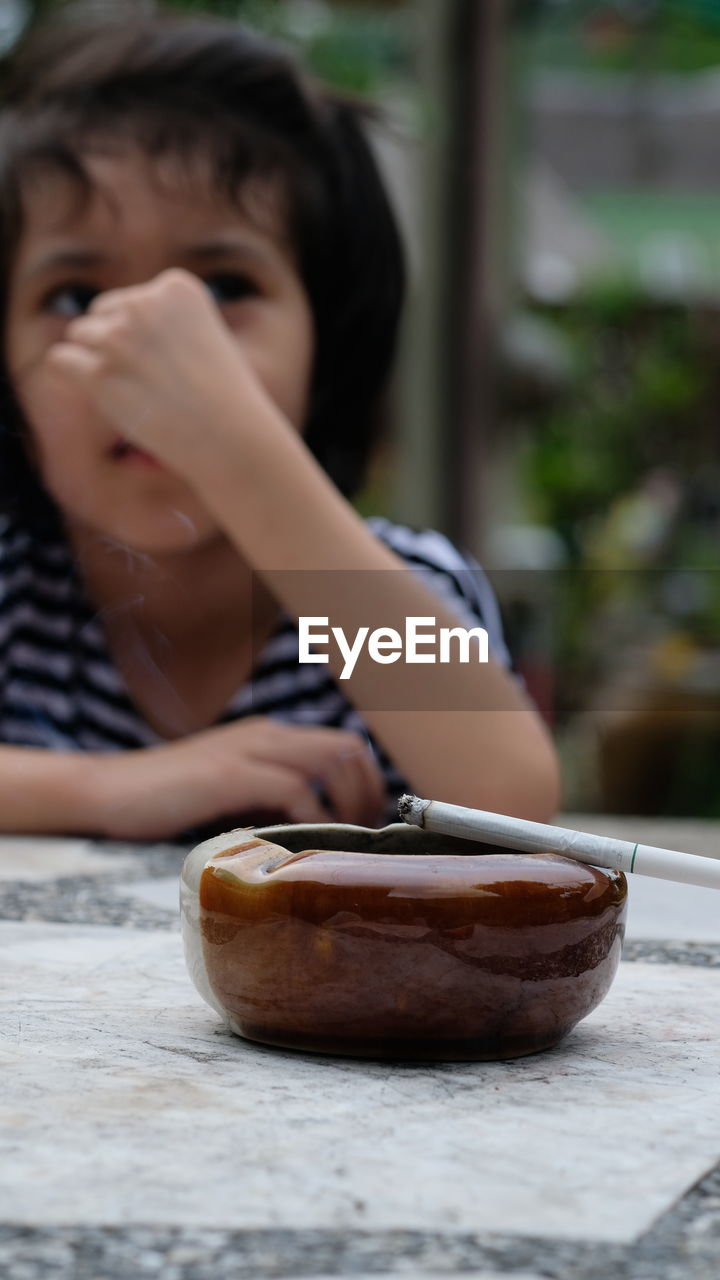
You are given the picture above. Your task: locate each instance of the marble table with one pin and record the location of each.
(139, 1138)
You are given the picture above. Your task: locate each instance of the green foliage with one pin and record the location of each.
(643, 381)
(679, 36)
(354, 47)
(641, 402)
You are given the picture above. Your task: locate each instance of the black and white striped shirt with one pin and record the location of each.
(61, 690)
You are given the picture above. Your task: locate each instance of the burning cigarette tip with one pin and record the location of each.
(411, 809)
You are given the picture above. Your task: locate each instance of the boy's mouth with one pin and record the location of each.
(124, 451)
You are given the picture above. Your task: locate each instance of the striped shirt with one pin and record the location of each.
(61, 690)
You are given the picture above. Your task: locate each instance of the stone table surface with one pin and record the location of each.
(138, 1137)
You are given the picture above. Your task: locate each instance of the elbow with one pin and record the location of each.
(510, 767)
(525, 781)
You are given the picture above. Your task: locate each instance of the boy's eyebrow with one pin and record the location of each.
(206, 251)
(68, 258)
(225, 247)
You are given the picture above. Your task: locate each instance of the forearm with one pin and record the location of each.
(47, 792)
(501, 761)
(456, 730)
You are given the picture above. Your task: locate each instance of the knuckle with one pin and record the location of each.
(57, 355)
(103, 302)
(138, 312)
(175, 281)
(296, 792)
(273, 731)
(76, 328)
(351, 738)
(97, 368)
(252, 725)
(118, 332)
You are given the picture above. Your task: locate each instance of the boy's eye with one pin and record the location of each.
(70, 300)
(231, 287)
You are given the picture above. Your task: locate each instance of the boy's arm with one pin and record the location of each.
(465, 733)
(156, 793)
(46, 792)
(158, 362)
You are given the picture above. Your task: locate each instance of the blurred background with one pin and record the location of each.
(556, 167)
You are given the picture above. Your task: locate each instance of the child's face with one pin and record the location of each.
(136, 224)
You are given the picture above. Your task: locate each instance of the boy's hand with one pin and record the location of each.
(254, 764)
(159, 363)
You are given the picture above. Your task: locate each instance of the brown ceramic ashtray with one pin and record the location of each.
(397, 943)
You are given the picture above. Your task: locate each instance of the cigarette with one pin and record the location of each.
(536, 837)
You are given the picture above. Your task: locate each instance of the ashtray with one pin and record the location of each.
(395, 942)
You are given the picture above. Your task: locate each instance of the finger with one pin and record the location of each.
(309, 748)
(95, 331)
(70, 358)
(343, 787)
(114, 299)
(340, 760)
(271, 786)
(355, 791)
(374, 784)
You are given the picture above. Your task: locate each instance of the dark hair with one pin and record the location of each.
(201, 85)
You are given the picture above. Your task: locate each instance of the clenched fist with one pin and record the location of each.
(157, 361)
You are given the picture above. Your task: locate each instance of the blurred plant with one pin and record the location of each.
(628, 35)
(357, 47)
(624, 464)
(643, 395)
